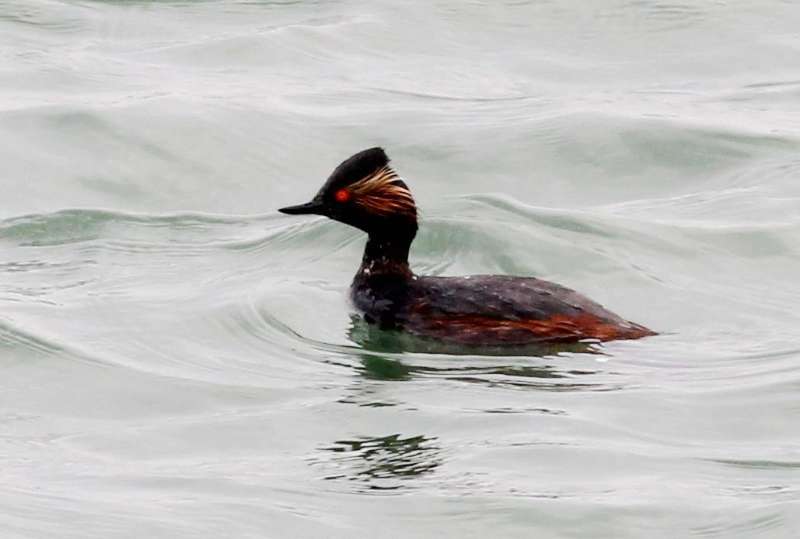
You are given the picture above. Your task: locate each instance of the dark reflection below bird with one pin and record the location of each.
(478, 310)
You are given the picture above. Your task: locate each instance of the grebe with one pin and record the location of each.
(480, 310)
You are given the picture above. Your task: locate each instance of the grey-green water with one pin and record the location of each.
(178, 360)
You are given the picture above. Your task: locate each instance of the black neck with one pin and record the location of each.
(387, 254)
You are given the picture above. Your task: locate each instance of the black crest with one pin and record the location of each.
(357, 167)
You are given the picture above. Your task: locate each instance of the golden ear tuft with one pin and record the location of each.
(383, 193)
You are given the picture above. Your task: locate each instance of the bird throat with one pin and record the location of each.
(386, 255)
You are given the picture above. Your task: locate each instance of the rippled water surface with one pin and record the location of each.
(179, 360)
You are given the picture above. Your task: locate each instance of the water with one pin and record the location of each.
(179, 360)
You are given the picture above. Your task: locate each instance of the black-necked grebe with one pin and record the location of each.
(482, 310)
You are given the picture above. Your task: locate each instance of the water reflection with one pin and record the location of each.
(383, 463)
(378, 367)
(397, 357)
(513, 373)
(369, 337)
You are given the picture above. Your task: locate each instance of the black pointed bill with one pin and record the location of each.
(312, 207)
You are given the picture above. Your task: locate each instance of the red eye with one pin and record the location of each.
(342, 195)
